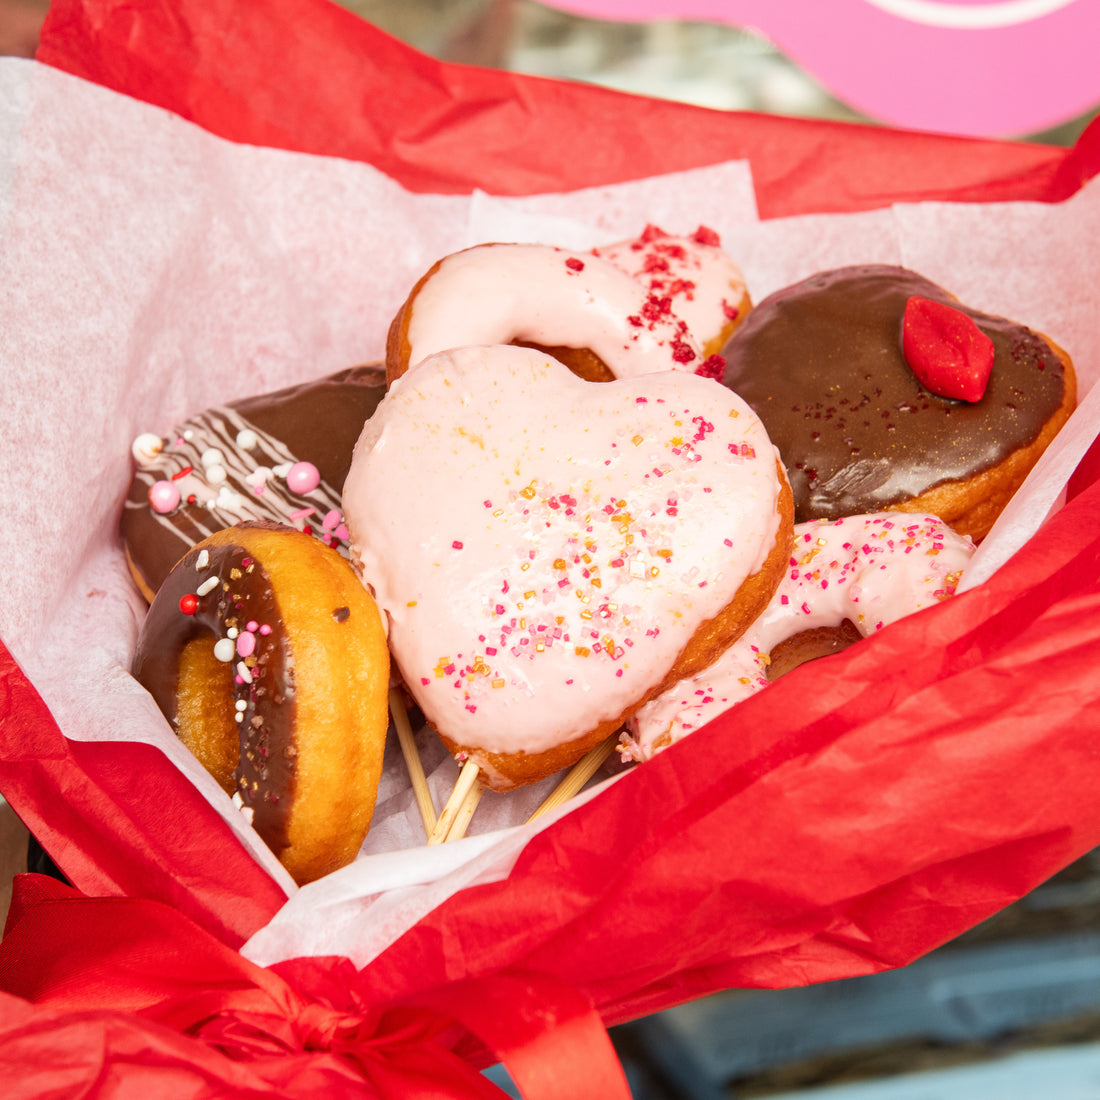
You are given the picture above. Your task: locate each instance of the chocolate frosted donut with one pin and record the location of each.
(281, 456)
(821, 363)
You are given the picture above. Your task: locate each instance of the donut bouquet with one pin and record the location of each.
(563, 521)
(392, 502)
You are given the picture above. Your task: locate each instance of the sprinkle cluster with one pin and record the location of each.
(583, 562)
(225, 598)
(219, 464)
(661, 267)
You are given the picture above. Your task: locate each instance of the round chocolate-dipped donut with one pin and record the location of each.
(280, 456)
(821, 362)
(269, 660)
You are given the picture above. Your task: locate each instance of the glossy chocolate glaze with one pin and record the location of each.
(266, 774)
(821, 364)
(317, 421)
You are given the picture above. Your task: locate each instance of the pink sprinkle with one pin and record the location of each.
(163, 496)
(425, 681)
(246, 643)
(341, 532)
(332, 518)
(784, 600)
(303, 477)
(252, 625)
(301, 513)
(265, 630)
(806, 609)
(456, 545)
(564, 582)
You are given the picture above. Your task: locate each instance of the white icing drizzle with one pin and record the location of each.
(239, 484)
(544, 547)
(503, 293)
(871, 570)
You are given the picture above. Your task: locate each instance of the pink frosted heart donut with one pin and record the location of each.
(853, 576)
(549, 552)
(581, 308)
(703, 284)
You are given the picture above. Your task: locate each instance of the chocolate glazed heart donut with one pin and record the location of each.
(550, 552)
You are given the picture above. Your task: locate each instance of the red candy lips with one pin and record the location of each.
(946, 350)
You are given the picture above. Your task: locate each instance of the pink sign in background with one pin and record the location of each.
(991, 68)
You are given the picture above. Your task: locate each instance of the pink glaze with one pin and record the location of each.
(871, 570)
(531, 293)
(544, 547)
(704, 285)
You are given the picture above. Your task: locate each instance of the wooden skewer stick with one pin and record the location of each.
(581, 772)
(465, 813)
(467, 778)
(412, 761)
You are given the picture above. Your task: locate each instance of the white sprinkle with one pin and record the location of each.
(146, 448)
(212, 457)
(232, 632)
(203, 560)
(224, 649)
(282, 469)
(247, 439)
(215, 474)
(248, 812)
(207, 585)
(244, 672)
(238, 717)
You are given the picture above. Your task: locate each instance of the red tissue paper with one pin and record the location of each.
(857, 814)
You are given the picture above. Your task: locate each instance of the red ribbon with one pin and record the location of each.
(126, 988)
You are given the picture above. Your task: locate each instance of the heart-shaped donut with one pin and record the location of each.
(549, 552)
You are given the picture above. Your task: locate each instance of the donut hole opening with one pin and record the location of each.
(204, 713)
(810, 645)
(582, 362)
